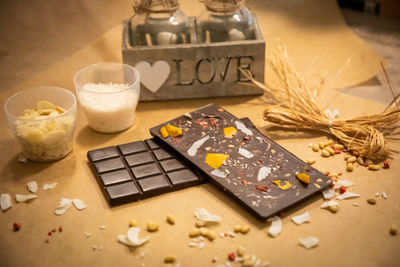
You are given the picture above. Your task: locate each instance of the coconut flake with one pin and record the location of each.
(240, 125)
(79, 204)
(49, 186)
(32, 186)
(309, 242)
(203, 215)
(22, 158)
(344, 183)
(23, 198)
(384, 195)
(88, 234)
(5, 202)
(328, 193)
(63, 206)
(188, 115)
(196, 145)
(132, 238)
(192, 244)
(219, 173)
(276, 226)
(245, 153)
(302, 218)
(328, 204)
(347, 195)
(355, 204)
(263, 173)
(202, 244)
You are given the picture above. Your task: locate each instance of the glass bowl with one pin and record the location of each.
(108, 94)
(43, 120)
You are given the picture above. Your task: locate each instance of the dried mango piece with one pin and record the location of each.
(303, 177)
(229, 132)
(43, 104)
(214, 160)
(284, 186)
(164, 133)
(173, 131)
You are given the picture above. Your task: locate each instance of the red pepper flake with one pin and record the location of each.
(231, 256)
(386, 164)
(259, 161)
(54, 230)
(47, 241)
(327, 173)
(340, 173)
(246, 137)
(337, 151)
(49, 234)
(281, 214)
(16, 226)
(245, 182)
(262, 188)
(344, 150)
(213, 121)
(365, 164)
(213, 260)
(60, 229)
(241, 173)
(342, 189)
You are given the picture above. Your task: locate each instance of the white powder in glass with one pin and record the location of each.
(108, 107)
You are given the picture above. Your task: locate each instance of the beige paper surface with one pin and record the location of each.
(355, 236)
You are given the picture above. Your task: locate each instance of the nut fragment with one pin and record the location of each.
(170, 259)
(349, 167)
(328, 143)
(371, 201)
(325, 153)
(152, 226)
(321, 145)
(351, 159)
(373, 167)
(393, 229)
(241, 251)
(195, 232)
(237, 228)
(170, 219)
(203, 231)
(310, 161)
(200, 223)
(330, 150)
(360, 160)
(347, 156)
(315, 147)
(244, 229)
(338, 146)
(333, 209)
(211, 235)
(133, 223)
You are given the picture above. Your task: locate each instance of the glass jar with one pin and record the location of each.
(225, 20)
(158, 22)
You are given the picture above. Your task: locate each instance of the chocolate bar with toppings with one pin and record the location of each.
(253, 169)
(139, 170)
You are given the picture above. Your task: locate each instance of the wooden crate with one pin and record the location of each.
(196, 70)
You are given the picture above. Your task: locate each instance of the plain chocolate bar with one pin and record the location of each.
(138, 170)
(239, 159)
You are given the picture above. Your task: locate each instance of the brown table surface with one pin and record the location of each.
(354, 236)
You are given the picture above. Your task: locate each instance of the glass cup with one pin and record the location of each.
(108, 94)
(43, 120)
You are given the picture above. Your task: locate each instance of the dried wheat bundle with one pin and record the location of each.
(298, 109)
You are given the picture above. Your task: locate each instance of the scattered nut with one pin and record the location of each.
(349, 167)
(373, 167)
(237, 228)
(333, 209)
(170, 219)
(347, 156)
(170, 259)
(360, 160)
(133, 223)
(152, 226)
(195, 232)
(371, 201)
(330, 150)
(328, 143)
(338, 146)
(200, 223)
(310, 161)
(241, 251)
(211, 235)
(325, 153)
(315, 147)
(351, 159)
(244, 229)
(203, 231)
(393, 230)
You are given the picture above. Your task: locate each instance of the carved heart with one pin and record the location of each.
(153, 77)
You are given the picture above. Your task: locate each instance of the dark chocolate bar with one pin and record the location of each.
(247, 165)
(139, 170)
